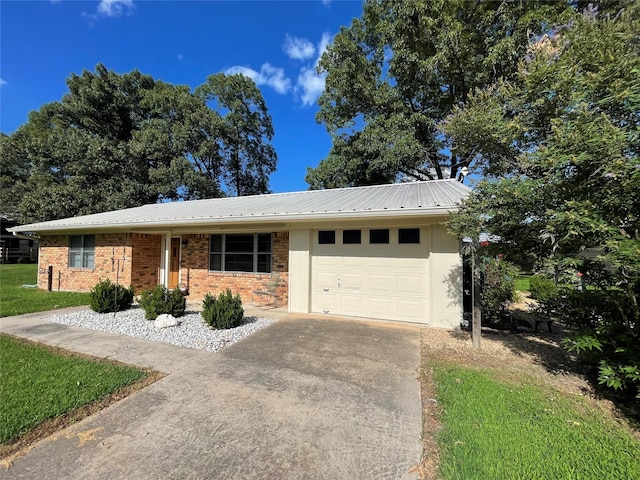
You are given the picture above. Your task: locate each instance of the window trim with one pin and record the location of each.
(324, 241)
(86, 252)
(355, 232)
(255, 253)
(371, 239)
(406, 242)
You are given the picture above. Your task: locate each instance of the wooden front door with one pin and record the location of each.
(174, 263)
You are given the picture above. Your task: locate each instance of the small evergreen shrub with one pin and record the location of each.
(498, 286)
(222, 312)
(160, 300)
(542, 288)
(107, 297)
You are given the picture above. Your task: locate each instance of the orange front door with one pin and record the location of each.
(174, 267)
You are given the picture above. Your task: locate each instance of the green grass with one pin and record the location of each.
(523, 283)
(496, 430)
(38, 383)
(16, 300)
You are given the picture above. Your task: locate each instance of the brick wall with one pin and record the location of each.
(147, 255)
(194, 271)
(137, 259)
(112, 260)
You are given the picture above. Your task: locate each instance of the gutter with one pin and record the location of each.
(33, 236)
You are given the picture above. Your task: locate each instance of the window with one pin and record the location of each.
(351, 237)
(326, 237)
(409, 235)
(241, 252)
(379, 235)
(82, 251)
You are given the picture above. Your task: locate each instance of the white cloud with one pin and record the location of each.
(2, 82)
(310, 83)
(298, 48)
(268, 75)
(114, 8)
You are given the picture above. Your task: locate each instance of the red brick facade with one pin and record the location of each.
(135, 259)
(195, 274)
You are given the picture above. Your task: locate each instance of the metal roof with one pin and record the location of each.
(434, 197)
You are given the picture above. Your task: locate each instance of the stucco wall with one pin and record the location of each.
(446, 279)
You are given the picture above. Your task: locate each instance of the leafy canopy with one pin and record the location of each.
(563, 136)
(118, 141)
(395, 74)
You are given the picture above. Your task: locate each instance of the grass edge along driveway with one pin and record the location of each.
(44, 388)
(497, 429)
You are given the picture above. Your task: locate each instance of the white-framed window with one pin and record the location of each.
(240, 252)
(82, 251)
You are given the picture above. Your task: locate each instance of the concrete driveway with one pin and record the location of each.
(302, 399)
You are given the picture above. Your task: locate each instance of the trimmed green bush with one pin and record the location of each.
(542, 288)
(160, 300)
(222, 312)
(107, 297)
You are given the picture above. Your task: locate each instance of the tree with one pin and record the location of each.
(564, 132)
(396, 73)
(245, 132)
(118, 141)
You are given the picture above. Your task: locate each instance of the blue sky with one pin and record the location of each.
(277, 43)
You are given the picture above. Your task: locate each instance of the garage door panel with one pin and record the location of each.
(326, 280)
(410, 309)
(351, 304)
(353, 281)
(382, 283)
(326, 303)
(386, 281)
(381, 263)
(411, 264)
(412, 284)
(382, 307)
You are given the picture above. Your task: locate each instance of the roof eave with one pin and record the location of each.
(239, 220)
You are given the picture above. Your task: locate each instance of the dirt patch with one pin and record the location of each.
(537, 355)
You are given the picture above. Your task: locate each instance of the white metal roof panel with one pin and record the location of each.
(398, 199)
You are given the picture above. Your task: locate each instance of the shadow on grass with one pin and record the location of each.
(546, 349)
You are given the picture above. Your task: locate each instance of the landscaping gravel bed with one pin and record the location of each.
(192, 331)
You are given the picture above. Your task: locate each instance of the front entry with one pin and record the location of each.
(174, 263)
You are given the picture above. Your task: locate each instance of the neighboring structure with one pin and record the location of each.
(13, 249)
(378, 252)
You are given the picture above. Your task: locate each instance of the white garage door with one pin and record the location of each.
(379, 273)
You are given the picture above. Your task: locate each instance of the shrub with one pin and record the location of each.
(160, 300)
(499, 286)
(222, 312)
(106, 297)
(542, 288)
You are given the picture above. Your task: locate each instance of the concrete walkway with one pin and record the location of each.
(305, 398)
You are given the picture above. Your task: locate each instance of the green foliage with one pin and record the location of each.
(224, 311)
(37, 383)
(397, 72)
(565, 128)
(160, 300)
(493, 429)
(16, 300)
(117, 141)
(604, 337)
(542, 288)
(498, 286)
(106, 296)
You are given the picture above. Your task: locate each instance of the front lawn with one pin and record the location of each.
(16, 299)
(493, 428)
(39, 383)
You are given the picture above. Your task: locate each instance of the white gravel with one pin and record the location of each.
(192, 331)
